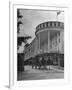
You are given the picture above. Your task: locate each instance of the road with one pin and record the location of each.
(36, 74)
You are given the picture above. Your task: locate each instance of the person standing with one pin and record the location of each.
(49, 62)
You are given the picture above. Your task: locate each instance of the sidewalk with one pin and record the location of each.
(56, 68)
(39, 74)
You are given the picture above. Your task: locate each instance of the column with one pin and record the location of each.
(58, 51)
(48, 41)
(39, 43)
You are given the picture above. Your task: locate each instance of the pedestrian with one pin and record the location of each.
(49, 62)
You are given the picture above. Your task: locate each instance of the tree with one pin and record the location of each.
(19, 22)
(20, 39)
(19, 16)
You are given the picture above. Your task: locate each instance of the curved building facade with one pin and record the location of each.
(49, 39)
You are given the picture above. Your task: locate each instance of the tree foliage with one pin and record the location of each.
(19, 16)
(22, 39)
(19, 22)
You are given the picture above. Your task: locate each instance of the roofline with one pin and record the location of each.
(45, 23)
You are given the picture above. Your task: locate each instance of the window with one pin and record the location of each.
(55, 24)
(42, 26)
(59, 24)
(47, 24)
(44, 40)
(59, 40)
(51, 24)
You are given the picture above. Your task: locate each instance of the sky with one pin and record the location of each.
(31, 18)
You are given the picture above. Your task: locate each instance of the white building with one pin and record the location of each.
(49, 39)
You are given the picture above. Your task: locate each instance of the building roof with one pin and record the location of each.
(49, 24)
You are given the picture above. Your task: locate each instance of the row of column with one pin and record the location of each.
(49, 45)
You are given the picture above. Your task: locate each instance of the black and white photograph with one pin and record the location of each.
(40, 44)
(36, 45)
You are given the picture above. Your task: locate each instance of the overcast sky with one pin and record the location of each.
(31, 18)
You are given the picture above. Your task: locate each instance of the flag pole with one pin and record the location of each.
(58, 13)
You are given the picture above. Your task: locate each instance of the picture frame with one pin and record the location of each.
(13, 46)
